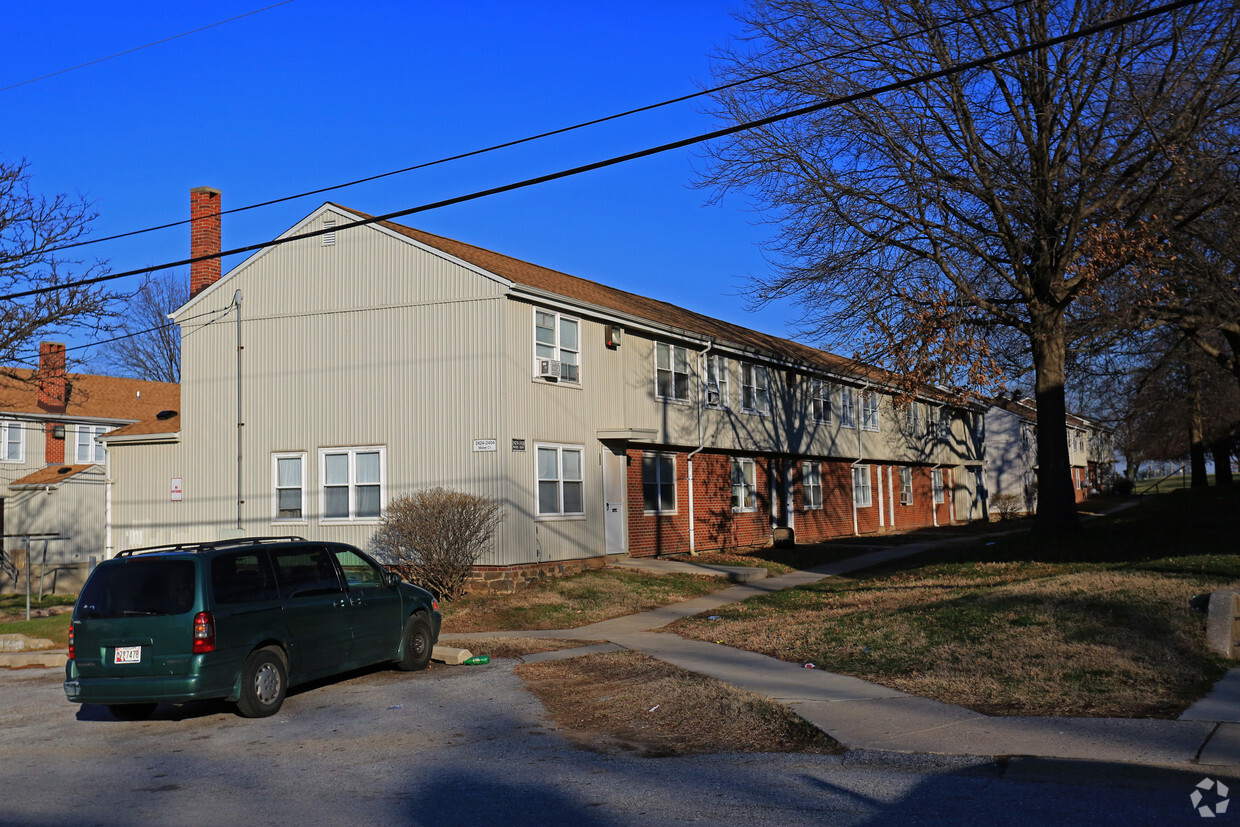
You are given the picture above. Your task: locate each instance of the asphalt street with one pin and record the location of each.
(469, 745)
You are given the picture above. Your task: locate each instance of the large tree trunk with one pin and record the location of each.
(1220, 449)
(1056, 497)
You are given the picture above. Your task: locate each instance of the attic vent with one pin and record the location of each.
(329, 238)
(165, 415)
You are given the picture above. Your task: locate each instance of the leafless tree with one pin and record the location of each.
(436, 536)
(148, 345)
(938, 225)
(33, 228)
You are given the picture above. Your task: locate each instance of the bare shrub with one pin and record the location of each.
(1008, 506)
(435, 536)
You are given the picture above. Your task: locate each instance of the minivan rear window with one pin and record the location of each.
(136, 588)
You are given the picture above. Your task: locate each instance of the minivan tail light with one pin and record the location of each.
(204, 633)
(70, 641)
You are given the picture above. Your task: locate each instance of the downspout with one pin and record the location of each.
(860, 456)
(107, 505)
(701, 443)
(938, 465)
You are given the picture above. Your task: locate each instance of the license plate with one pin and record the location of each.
(128, 654)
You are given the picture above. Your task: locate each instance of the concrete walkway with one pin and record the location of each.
(864, 715)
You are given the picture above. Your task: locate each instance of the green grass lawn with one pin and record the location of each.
(54, 628)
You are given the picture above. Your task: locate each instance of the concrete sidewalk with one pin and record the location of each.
(864, 715)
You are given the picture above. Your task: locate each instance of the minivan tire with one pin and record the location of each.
(264, 683)
(417, 645)
(131, 712)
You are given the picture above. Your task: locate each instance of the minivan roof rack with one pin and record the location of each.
(209, 545)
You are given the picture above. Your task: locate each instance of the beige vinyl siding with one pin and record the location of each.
(74, 510)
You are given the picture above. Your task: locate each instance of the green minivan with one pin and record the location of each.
(241, 620)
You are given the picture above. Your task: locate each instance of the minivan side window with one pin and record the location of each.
(358, 571)
(244, 577)
(302, 572)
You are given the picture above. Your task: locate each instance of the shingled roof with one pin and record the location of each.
(88, 396)
(643, 307)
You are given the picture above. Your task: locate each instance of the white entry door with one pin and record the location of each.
(615, 467)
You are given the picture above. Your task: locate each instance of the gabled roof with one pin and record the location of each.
(88, 396)
(1027, 408)
(592, 293)
(147, 427)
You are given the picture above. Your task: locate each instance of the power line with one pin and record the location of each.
(644, 153)
(550, 133)
(140, 48)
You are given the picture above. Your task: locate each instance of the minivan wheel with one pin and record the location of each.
(264, 682)
(131, 712)
(418, 646)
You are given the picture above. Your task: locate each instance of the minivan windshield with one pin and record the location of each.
(138, 587)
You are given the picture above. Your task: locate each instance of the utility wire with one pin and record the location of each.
(553, 132)
(140, 48)
(632, 156)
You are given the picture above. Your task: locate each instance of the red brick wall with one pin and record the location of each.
(54, 449)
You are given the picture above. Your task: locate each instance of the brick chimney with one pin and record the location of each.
(53, 396)
(53, 384)
(204, 238)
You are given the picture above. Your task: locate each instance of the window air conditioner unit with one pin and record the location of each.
(548, 369)
(712, 397)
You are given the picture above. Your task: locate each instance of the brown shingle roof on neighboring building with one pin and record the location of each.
(171, 425)
(89, 396)
(51, 475)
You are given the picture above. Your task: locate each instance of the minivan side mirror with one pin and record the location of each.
(391, 578)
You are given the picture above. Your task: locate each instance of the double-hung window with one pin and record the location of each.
(558, 337)
(869, 411)
(11, 433)
(744, 486)
(288, 477)
(936, 485)
(88, 450)
(671, 372)
(353, 484)
(912, 419)
(716, 381)
(906, 486)
(659, 483)
(811, 482)
(755, 392)
(848, 407)
(862, 497)
(820, 400)
(559, 481)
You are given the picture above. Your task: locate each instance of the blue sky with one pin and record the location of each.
(314, 93)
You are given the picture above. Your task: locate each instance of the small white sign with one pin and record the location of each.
(177, 489)
(484, 445)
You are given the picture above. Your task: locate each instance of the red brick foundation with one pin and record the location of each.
(509, 579)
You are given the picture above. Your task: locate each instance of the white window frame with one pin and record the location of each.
(748, 484)
(717, 374)
(937, 489)
(821, 393)
(8, 430)
(811, 484)
(848, 407)
(352, 453)
(659, 482)
(565, 355)
(869, 411)
(97, 453)
(276, 488)
(912, 419)
(672, 351)
(906, 486)
(560, 480)
(755, 388)
(863, 494)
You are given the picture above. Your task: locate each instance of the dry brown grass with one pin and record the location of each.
(1001, 638)
(628, 702)
(569, 602)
